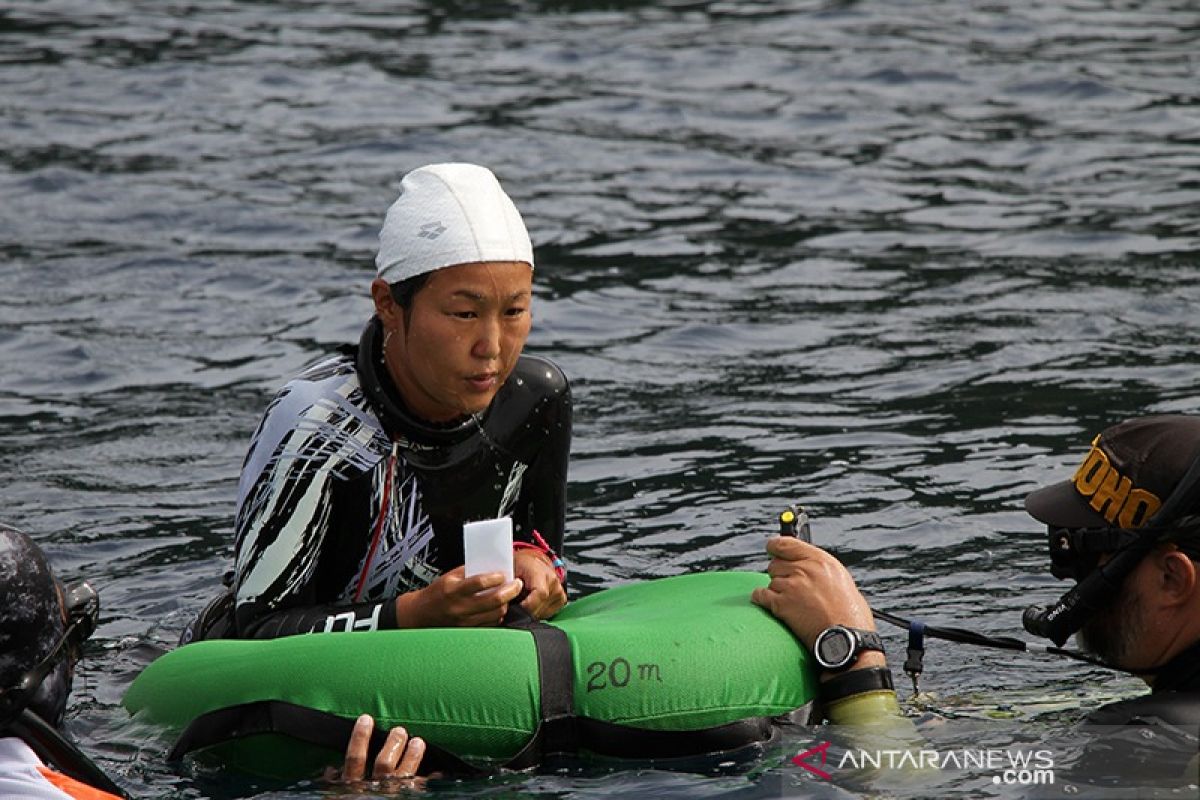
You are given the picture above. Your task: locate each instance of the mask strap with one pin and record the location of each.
(83, 607)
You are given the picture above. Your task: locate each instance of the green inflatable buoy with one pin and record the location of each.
(666, 668)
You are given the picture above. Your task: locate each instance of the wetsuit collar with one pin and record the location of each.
(380, 390)
(1181, 672)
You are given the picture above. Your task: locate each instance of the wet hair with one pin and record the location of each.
(404, 291)
(31, 622)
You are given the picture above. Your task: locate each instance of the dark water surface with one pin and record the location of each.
(898, 261)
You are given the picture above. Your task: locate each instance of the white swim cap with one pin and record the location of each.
(449, 214)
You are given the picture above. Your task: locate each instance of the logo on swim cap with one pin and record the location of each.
(432, 230)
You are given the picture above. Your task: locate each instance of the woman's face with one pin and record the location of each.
(463, 333)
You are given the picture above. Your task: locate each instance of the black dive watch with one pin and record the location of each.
(838, 647)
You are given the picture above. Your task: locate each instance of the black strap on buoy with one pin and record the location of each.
(621, 741)
(304, 724)
(557, 731)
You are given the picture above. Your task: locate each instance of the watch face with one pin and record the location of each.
(835, 647)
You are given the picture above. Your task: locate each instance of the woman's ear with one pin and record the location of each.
(386, 308)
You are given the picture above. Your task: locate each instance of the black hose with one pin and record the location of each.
(55, 750)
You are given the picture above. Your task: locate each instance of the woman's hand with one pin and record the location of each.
(544, 593)
(456, 601)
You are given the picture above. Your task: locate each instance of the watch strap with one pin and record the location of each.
(856, 681)
(868, 640)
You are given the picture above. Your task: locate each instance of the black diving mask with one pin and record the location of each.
(1075, 552)
(83, 615)
(82, 604)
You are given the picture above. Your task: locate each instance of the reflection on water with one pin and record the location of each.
(895, 261)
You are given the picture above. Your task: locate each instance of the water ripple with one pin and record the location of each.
(896, 261)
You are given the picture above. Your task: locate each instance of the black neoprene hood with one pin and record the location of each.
(31, 621)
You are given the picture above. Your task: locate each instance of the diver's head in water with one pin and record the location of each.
(453, 291)
(1132, 511)
(42, 626)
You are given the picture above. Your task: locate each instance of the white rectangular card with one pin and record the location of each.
(488, 547)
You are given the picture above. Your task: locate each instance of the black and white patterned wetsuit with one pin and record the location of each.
(346, 500)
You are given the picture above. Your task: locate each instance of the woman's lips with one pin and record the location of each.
(482, 382)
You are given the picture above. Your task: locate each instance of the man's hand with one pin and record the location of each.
(811, 590)
(455, 601)
(544, 595)
(396, 764)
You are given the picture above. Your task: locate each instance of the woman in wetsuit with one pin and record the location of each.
(365, 467)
